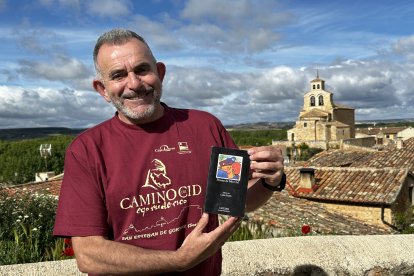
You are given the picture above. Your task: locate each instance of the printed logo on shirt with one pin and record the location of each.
(163, 197)
(163, 226)
(157, 176)
(157, 196)
(183, 148)
(164, 148)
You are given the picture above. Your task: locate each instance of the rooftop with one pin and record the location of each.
(362, 186)
(289, 213)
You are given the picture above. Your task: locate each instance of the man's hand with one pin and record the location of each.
(267, 163)
(198, 245)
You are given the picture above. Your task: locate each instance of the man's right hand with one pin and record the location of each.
(198, 245)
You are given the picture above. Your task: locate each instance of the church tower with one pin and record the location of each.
(321, 121)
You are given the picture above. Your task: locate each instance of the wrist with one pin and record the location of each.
(275, 188)
(181, 260)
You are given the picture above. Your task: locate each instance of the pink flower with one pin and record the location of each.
(306, 229)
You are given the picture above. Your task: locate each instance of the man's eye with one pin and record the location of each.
(141, 70)
(117, 76)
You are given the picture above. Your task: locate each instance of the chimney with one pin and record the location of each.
(307, 180)
(400, 143)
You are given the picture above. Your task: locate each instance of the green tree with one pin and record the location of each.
(257, 137)
(20, 160)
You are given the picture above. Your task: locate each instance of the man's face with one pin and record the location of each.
(131, 80)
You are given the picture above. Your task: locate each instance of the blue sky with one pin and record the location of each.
(244, 61)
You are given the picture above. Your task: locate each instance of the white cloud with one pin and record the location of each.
(228, 25)
(111, 8)
(39, 107)
(33, 39)
(405, 47)
(61, 68)
(156, 33)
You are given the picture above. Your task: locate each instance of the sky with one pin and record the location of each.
(245, 61)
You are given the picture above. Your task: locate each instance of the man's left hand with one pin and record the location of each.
(267, 163)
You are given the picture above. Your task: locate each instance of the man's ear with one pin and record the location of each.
(161, 69)
(100, 88)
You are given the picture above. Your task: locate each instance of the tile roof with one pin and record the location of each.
(337, 124)
(342, 106)
(314, 113)
(389, 157)
(337, 158)
(362, 186)
(287, 214)
(49, 187)
(376, 130)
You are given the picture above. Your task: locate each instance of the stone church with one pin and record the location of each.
(322, 123)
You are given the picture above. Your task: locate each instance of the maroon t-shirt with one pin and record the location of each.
(142, 185)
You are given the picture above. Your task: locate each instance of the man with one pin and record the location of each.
(134, 186)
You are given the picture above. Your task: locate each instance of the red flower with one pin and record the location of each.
(68, 248)
(305, 229)
(68, 252)
(68, 241)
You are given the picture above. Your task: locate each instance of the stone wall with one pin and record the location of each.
(346, 116)
(312, 144)
(371, 215)
(366, 142)
(383, 255)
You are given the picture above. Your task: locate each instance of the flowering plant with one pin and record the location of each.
(306, 229)
(68, 251)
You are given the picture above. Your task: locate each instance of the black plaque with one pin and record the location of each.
(227, 182)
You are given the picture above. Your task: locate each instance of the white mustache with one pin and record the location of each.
(138, 93)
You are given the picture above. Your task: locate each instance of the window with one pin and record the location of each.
(320, 99)
(305, 124)
(319, 86)
(314, 86)
(312, 101)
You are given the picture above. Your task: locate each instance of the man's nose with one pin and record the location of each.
(134, 81)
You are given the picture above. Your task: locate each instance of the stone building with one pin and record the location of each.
(385, 135)
(377, 196)
(374, 186)
(322, 123)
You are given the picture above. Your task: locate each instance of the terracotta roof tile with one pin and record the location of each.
(376, 130)
(287, 212)
(314, 113)
(353, 185)
(390, 157)
(46, 187)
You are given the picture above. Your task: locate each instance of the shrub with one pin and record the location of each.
(26, 225)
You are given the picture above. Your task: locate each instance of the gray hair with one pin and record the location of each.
(115, 37)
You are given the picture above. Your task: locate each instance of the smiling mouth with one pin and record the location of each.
(139, 94)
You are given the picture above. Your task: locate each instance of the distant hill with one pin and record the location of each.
(30, 133)
(260, 125)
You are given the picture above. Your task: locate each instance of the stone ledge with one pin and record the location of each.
(320, 255)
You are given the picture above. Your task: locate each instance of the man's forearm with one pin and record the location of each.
(97, 255)
(257, 195)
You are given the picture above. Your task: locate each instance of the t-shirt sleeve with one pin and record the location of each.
(226, 139)
(81, 209)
